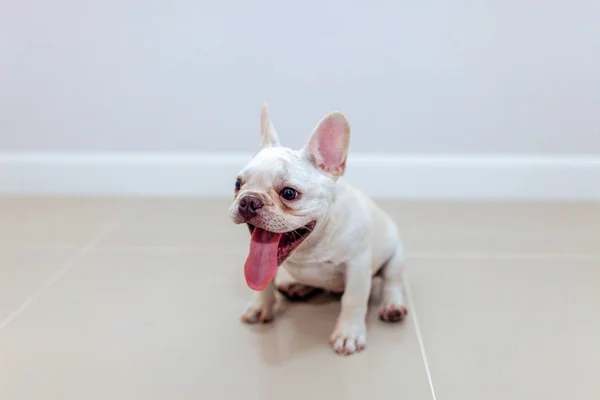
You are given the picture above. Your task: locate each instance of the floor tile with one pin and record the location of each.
(161, 324)
(55, 222)
(497, 229)
(23, 272)
(428, 228)
(505, 293)
(192, 224)
(498, 329)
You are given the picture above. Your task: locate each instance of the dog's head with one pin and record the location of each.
(282, 194)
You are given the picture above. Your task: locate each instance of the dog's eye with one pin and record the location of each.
(238, 184)
(288, 193)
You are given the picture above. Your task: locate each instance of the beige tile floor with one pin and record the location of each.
(140, 299)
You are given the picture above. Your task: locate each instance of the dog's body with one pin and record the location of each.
(324, 232)
(354, 225)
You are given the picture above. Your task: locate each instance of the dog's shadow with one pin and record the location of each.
(305, 327)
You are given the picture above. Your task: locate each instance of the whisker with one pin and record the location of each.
(300, 232)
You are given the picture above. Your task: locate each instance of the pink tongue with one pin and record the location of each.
(261, 264)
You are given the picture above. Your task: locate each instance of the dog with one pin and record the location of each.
(329, 236)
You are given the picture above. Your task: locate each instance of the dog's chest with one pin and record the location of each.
(326, 275)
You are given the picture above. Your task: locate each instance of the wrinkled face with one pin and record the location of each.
(283, 194)
(280, 191)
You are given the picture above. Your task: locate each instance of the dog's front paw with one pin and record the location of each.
(259, 312)
(392, 312)
(349, 337)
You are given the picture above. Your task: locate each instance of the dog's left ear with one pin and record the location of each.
(327, 148)
(268, 136)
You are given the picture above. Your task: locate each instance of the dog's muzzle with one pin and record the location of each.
(248, 206)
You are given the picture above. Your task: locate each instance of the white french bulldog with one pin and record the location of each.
(325, 233)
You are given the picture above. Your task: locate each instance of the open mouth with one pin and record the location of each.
(268, 250)
(289, 240)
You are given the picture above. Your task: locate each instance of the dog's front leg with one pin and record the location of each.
(350, 334)
(262, 308)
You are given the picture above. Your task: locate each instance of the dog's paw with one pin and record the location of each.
(349, 338)
(258, 313)
(392, 313)
(295, 292)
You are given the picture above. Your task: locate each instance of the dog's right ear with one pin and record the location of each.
(268, 136)
(327, 148)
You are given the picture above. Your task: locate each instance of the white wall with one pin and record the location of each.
(413, 76)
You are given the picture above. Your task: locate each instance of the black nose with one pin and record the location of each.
(249, 206)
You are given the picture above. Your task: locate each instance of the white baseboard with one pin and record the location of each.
(481, 177)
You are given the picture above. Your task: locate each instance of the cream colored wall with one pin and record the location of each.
(414, 77)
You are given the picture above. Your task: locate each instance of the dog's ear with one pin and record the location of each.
(327, 147)
(268, 136)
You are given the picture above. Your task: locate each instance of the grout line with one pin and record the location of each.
(37, 247)
(413, 312)
(171, 249)
(415, 256)
(64, 269)
(505, 256)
